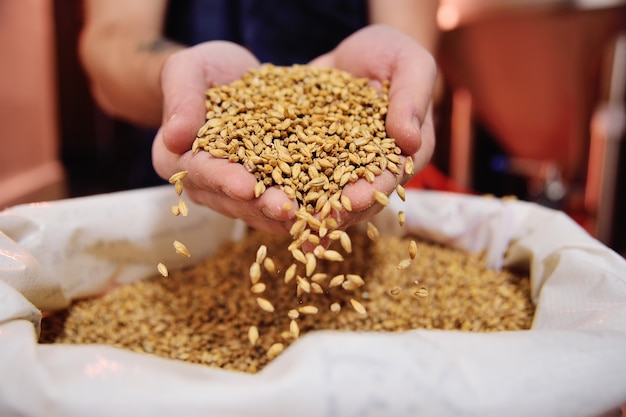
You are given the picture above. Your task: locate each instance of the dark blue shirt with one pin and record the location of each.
(282, 32)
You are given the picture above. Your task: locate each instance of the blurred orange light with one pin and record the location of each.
(447, 16)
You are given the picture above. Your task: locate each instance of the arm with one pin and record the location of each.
(416, 18)
(123, 51)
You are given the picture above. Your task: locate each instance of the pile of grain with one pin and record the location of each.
(202, 314)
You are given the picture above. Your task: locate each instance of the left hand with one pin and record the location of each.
(382, 53)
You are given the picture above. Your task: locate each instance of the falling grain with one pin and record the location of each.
(255, 272)
(179, 176)
(181, 249)
(358, 307)
(381, 198)
(401, 192)
(412, 249)
(261, 253)
(372, 231)
(162, 269)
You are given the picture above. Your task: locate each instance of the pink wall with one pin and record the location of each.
(29, 138)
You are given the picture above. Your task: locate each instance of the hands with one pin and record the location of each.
(377, 52)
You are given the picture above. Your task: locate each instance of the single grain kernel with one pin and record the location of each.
(332, 255)
(349, 286)
(290, 273)
(298, 255)
(355, 279)
(303, 284)
(319, 277)
(346, 203)
(395, 290)
(358, 307)
(401, 192)
(178, 187)
(310, 264)
(261, 253)
(345, 242)
(162, 269)
(319, 251)
(258, 288)
(181, 249)
(182, 207)
(409, 168)
(336, 281)
(308, 309)
(404, 264)
(265, 304)
(269, 265)
(381, 198)
(275, 350)
(421, 292)
(313, 239)
(401, 218)
(372, 231)
(335, 234)
(294, 328)
(297, 227)
(316, 288)
(255, 272)
(253, 335)
(412, 249)
(179, 176)
(259, 189)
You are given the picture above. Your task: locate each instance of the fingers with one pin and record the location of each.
(267, 213)
(410, 96)
(218, 175)
(422, 157)
(326, 60)
(384, 54)
(361, 192)
(164, 161)
(186, 76)
(183, 101)
(228, 188)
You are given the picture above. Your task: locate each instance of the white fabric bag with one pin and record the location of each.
(571, 363)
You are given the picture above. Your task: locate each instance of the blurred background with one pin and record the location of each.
(531, 104)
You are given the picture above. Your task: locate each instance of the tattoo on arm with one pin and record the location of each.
(156, 45)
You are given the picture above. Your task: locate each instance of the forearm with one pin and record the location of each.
(416, 18)
(123, 57)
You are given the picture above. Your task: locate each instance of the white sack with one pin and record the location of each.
(572, 362)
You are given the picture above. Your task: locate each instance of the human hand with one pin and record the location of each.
(381, 53)
(229, 188)
(216, 183)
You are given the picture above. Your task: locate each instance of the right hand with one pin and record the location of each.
(216, 183)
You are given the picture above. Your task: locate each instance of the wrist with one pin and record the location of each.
(156, 52)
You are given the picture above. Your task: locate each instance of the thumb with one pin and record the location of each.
(410, 96)
(183, 87)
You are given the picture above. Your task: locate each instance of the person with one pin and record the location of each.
(150, 62)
